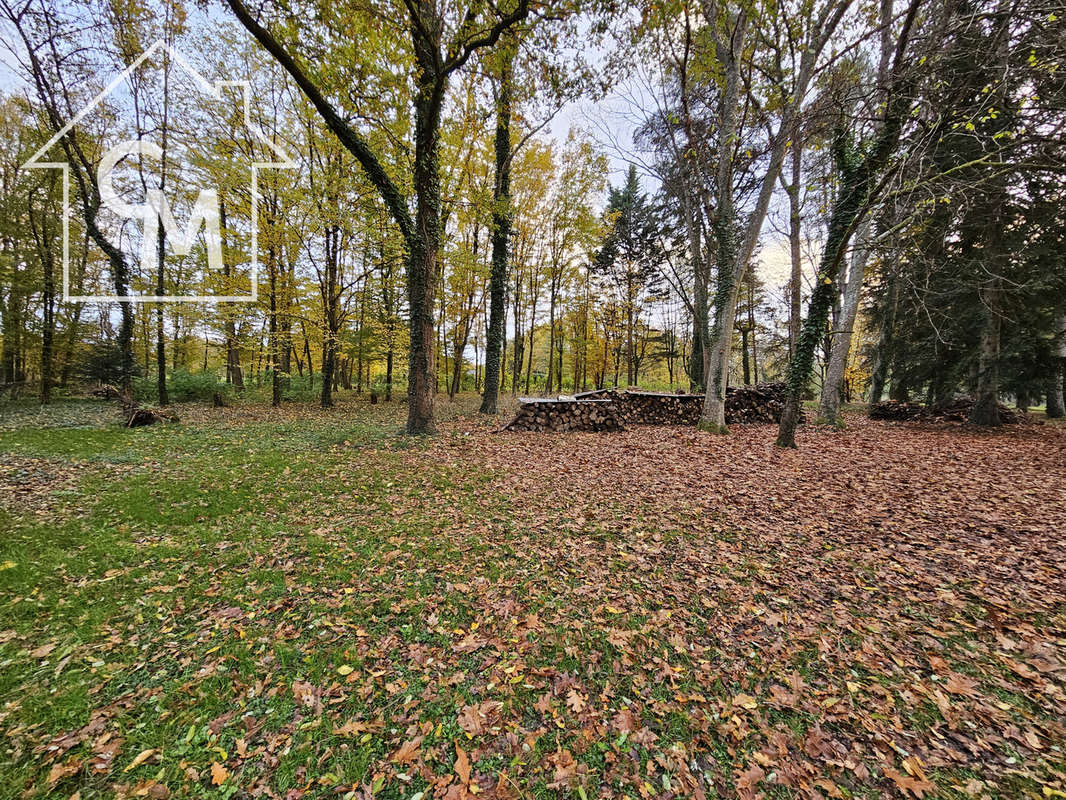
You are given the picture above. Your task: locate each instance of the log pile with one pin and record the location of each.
(958, 410)
(610, 409)
(655, 408)
(761, 403)
(566, 414)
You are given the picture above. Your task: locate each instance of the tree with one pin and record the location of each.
(860, 171)
(58, 66)
(438, 51)
(501, 224)
(631, 257)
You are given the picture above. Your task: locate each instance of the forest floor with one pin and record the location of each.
(298, 603)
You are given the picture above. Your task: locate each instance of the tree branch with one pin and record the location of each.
(348, 136)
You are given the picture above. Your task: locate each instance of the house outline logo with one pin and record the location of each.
(214, 90)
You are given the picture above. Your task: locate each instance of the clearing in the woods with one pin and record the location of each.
(300, 603)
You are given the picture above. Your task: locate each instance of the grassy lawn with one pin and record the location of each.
(300, 603)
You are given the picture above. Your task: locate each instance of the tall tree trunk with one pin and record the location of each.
(859, 175)
(985, 409)
(745, 364)
(424, 246)
(795, 284)
(518, 349)
(331, 316)
(751, 327)
(272, 343)
(716, 355)
(551, 339)
(700, 293)
(885, 344)
(233, 358)
(1055, 407)
(362, 337)
(631, 354)
(45, 242)
(532, 329)
(501, 233)
(829, 405)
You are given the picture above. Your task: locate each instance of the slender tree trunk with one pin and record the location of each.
(362, 337)
(754, 342)
(631, 355)
(272, 345)
(795, 284)
(1055, 407)
(745, 364)
(716, 355)
(331, 321)
(551, 339)
(48, 330)
(986, 400)
(829, 406)
(532, 330)
(44, 242)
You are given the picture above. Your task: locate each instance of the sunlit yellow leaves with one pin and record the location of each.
(745, 701)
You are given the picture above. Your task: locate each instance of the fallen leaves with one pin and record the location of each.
(462, 766)
(960, 685)
(663, 614)
(140, 758)
(745, 701)
(64, 770)
(480, 718)
(748, 780)
(913, 786)
(219, 774)
(408, 751)
(43, 651)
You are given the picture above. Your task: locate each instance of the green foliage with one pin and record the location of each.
(182, 386)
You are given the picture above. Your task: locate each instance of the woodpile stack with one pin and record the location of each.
(566, 414)
(656, 408)
(762, 402)
(958, 410)
(610, 409)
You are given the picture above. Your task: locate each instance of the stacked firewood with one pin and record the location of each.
(958, 410)
(566, 414)
(654, 408)
(609, 409)
(762, 402)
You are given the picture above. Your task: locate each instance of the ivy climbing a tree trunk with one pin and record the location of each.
(501, 232)
(860, 170)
